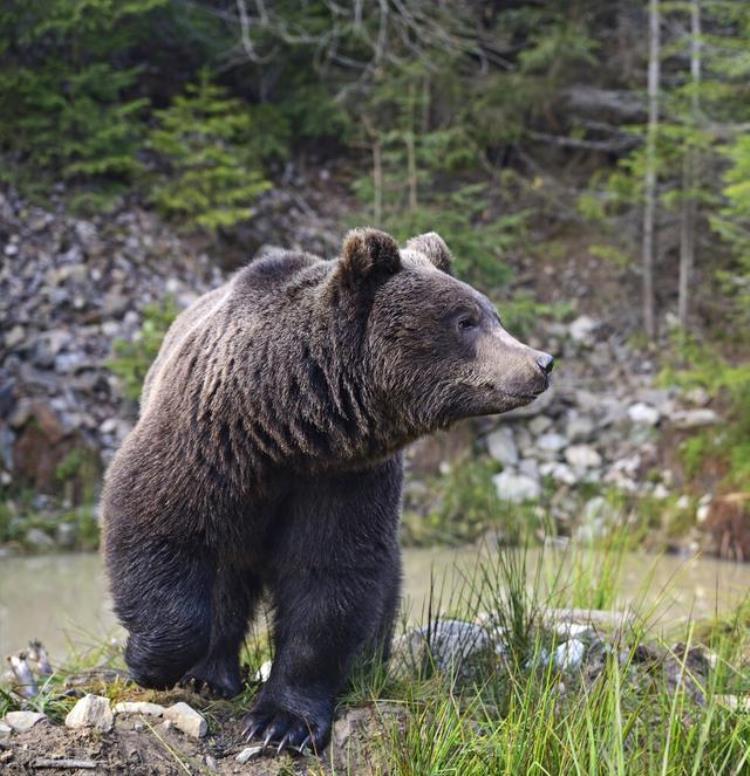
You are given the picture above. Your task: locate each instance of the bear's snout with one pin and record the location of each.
(546, 362)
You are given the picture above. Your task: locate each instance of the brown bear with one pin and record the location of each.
(266, 459)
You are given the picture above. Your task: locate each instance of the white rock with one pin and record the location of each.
(582, 457)
(551, 444)
(583, 329)
(139, 707)
(689, 419)
(524, 441)
(569, 654)
(704, 508)
(560, 472)
(734, 702)
(264, 672)
(5, 731)
(660, 491)
(502, 446)
(699, 397)
(187, 719)
(248, 753)
(529, 467)
(516, 487)
(579, 428)
(446, 644)
(539, 424)
(21, 721)
(91, 711)
(569, 630)
(110, 329)
(643, 414)
(38, 539)
(15, 337)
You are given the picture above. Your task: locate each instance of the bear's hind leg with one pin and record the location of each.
(235, 594)
(162, 595)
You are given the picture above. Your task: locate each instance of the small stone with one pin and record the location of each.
(569, 655)
(529, 467)
(248, 753)
(91, 711)
(559, 472)
(502, 446)
(583, 329)
(539, 424)
(264, 672)
(690, 419)
(186, 719)
(139, 707)
(569, 630)
(704, 508)
(551, 444)
(583, 457)
(15, 337)
(66, 535)
(38, 539)
(21, 721)
(643, 414)
(447, 645)
(110, 329)
(698, 397)
(516, 487)
(5, 731)
(734, 702)
(579, 428)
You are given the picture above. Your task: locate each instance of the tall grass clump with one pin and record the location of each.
(636, 704)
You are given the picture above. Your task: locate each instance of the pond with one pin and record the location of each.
(62, 599)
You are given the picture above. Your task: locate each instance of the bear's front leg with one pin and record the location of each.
(333, 586)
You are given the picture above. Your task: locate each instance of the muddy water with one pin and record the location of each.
(62, 599)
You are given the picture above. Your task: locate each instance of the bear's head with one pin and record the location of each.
(436, 349)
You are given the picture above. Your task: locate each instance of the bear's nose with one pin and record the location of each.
(546, 363)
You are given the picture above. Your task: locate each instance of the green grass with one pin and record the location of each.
(526, 717)
(619, 713)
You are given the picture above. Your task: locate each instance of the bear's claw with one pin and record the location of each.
(287, 731)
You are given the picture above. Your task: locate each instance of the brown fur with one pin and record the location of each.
(273, 414)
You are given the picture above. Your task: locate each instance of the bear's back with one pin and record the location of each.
(256, 292)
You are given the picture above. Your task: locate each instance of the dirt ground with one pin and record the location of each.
(140, 746)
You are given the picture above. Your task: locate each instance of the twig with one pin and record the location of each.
(44, 762)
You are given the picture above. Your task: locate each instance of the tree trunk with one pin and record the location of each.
(690, 173)
(411, 151)
(649, 209)
(377, 181)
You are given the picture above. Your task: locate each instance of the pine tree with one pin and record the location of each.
(210, 172)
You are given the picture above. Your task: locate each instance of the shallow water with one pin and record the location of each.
(62, 599)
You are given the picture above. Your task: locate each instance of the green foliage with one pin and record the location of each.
(732, 223)
(212, 174)
(77, 79)
(69, 105)
(131, 360)
(703, 366)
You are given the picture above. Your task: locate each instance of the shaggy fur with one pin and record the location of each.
(266, 459)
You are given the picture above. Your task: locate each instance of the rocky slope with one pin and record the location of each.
(71, 287)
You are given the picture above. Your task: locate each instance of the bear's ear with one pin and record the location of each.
(369, 253)
(433, 246)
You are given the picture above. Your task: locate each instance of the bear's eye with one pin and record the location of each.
(467, 322)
